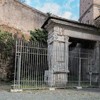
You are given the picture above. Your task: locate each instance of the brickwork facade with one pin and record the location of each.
(20, 16)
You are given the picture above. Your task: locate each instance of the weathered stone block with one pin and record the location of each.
(56, 79)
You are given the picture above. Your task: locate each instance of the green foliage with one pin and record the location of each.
(7, 53)
(6, 43)
(39, 36)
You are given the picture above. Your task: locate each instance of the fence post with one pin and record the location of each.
(15, 64)
(19, 65)
(18, 72)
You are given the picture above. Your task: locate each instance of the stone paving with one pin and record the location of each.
(52, 95)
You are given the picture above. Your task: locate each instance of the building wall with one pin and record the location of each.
(20, 16)
(84, 5)
(16, 17)
(96, 1)
(96, 9)
(88, 17)
(89, 11)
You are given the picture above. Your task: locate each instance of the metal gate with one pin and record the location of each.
(30, 65)
(82, 68)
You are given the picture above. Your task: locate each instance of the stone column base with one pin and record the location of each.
(56, 79)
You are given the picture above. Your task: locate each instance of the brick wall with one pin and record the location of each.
(20, 16)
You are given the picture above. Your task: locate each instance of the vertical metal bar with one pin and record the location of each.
(27, 66)
(15, 64)
(90, 72)
(44, 66)
(88, 60)
(21, 71)
(21, 66)
(32, 61)
(37, 64)
(28, 62)
(41, 66)
(24, 57)
(25, 83)
(35, 51)
(90, 79)
(79, 81)
(20, 63)
(31, 64)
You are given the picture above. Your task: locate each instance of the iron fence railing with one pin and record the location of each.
(31, 67)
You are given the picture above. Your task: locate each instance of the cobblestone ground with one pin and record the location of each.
(52, 95)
